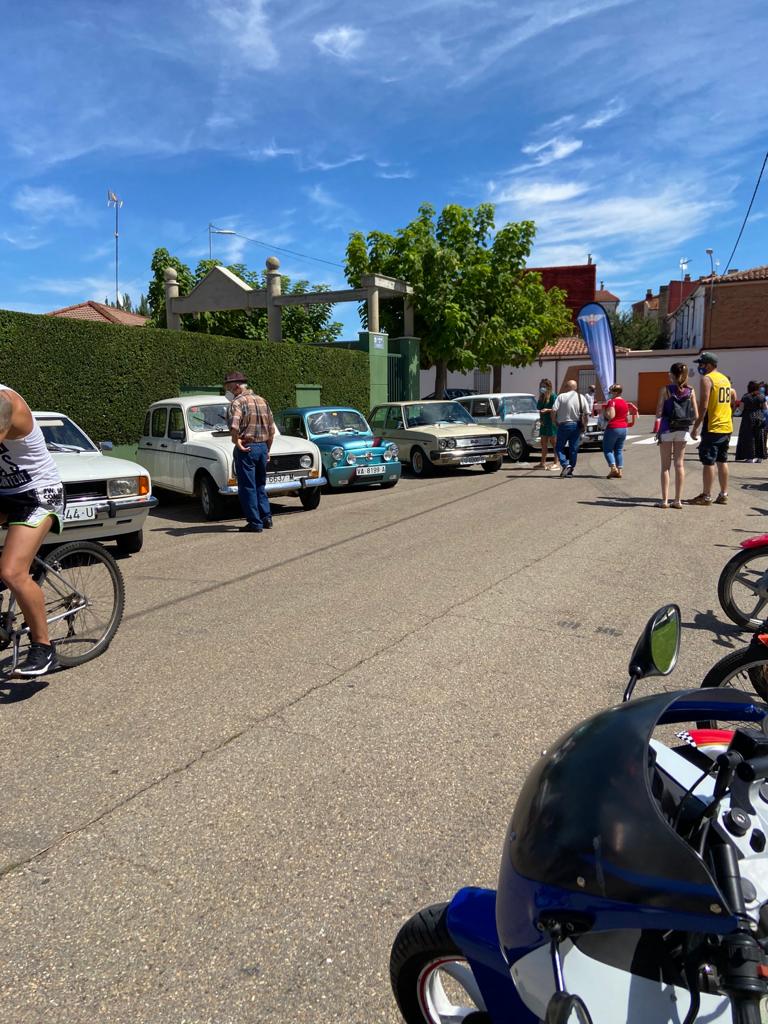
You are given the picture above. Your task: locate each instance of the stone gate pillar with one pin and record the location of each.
(171, 279)
(274, 288)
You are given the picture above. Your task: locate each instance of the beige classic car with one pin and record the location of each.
(438, 434)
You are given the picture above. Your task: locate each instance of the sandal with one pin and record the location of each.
(661, 504)
(676, 504)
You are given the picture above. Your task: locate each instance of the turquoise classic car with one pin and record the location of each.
(350, 452)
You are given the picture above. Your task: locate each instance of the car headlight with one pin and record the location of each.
(448, 442)
(305, 461)
(391, 453)
(502, 439)
(337, 454)
(351, 459)
(127, 486)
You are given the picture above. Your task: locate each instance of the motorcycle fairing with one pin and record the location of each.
(755, 542)
(471, 920)
(587, 834)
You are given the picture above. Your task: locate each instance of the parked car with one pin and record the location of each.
(438, 434)
(350, 453)
(451, 393)
(516, 411)
(186, 446)
(107, 498)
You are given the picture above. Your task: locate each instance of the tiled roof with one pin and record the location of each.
(101, 314)
(755, 274)
(603, 295)
(564, 347)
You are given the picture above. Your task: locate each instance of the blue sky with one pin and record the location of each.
(634, 131)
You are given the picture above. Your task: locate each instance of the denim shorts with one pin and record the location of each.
(713, 448)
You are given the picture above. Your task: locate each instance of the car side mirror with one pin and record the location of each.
(657, 650)
(106, 446)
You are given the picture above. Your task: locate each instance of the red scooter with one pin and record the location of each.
(743, 585)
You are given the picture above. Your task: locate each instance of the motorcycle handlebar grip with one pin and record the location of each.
(755, 768)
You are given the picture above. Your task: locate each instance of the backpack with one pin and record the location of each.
(680, 411)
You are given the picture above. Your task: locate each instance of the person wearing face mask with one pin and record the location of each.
(252, 428)
(715, 414)
(548, 427)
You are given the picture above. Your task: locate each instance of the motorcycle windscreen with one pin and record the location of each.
(587, 820)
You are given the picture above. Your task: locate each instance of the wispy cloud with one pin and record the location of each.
(245, 26)
(556, 148)
(394, 175)
(537, 192)
(614, 109)
(272, 151)
(333, 165)
(343, 41)
(46, 203)
(25, 241)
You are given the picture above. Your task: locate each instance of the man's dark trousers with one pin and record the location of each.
(251, 469)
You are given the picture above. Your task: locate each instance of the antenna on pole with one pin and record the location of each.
(113, 200)
(684, 266)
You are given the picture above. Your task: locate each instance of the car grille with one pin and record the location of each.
(283, 463)
(474, 442)
(85, 489)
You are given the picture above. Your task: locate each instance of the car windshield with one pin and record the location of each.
(337, 421)
(61, 433)
(432, 413)
(511, 404)
(203, 418)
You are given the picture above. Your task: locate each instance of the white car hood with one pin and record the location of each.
(94, 466)
(283, 444)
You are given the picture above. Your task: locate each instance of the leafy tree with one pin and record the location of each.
(307, 324)
(637, 333)
(474, 303)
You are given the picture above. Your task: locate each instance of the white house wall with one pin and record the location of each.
(740, 364)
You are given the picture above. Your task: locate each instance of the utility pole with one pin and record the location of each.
(113, 200)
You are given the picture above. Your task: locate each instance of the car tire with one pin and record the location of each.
(420, 465)
(310, 498)
(492, 467)
(211, 502)
(130, 543)
(517, 449)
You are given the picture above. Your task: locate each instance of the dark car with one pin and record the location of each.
(452, 393)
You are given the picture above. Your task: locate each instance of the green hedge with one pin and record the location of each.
(105, 376)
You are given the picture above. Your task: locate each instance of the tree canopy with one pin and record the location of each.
(636, 333)
(308, 324)
(475, 305)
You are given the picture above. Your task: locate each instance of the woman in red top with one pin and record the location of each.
(620, 415)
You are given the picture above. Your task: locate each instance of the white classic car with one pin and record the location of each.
(516, 411)
(107, 498)
(187, 448)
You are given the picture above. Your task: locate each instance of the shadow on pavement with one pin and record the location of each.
(726, 634)
(11, 691)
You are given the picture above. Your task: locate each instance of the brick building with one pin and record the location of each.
(578, 282)
(729, 311)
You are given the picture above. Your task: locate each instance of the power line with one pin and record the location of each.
(290, 252)
(746, 215)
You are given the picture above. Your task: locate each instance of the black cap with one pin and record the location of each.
(706, 357)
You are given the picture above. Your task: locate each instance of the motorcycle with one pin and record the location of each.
(634, 883)
(743, 585)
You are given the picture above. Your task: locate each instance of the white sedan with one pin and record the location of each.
(107, 498)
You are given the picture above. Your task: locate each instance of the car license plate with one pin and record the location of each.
(370, 470)
(281, 478)
(471, 460)
(79, 513)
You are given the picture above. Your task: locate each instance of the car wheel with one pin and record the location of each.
(517, 449)
(310, 498)
(492, 467)
(211, 501)
(130, 543)
(419, 462)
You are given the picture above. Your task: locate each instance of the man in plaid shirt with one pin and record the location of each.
(252, 428)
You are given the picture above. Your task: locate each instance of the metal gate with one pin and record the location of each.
(586, 377)
(395, 390)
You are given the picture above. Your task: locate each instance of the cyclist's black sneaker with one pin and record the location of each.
(41, 658)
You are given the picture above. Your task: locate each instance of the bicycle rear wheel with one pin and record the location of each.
(84, 599)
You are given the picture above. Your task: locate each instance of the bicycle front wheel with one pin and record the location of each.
(84, 599)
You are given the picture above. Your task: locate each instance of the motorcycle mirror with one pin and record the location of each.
(656, 651)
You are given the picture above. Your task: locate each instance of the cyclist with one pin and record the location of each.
(31, 504)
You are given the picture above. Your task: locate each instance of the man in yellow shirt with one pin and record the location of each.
(715, 412)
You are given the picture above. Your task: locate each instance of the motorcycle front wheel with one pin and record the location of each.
(743, 588)
(745, 670)
(431, 979)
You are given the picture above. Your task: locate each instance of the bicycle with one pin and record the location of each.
(84, 600)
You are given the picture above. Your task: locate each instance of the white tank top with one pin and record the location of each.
(26, 463)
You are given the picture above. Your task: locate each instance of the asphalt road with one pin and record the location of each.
(298, 739)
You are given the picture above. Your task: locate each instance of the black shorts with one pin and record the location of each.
(30, 508)
(713, 448)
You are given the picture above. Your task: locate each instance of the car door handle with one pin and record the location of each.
(163, 445)
(148, 444)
